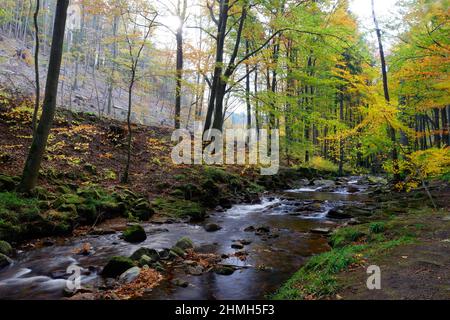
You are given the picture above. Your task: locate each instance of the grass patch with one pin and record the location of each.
(351, 245)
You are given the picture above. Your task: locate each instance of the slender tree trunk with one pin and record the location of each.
(125, 176)
(247, 88)
(437, 133)
(445, 127)
(113, 67)
(341, 140)
(36, 67)
(37, 149)
(392, 132)
(179, 76)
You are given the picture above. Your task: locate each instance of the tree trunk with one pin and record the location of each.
(37, 149)
(179, 76)
(36, 67)
(392, 132)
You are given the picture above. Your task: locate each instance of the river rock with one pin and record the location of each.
(185, 243)
(116, 266)
(130, 275)
(5, 248)
(195, 270)
(134, 234)
(324, 183)
(4, 261)
(180, 283)
(262, 230)
(352, 189)
(145, 260)
(151, 253)
(224, 270)
(249, 229)
(323, 231)
(211, 227)
(176, 252)
(336, 213)
(237, 245)
(164, 254)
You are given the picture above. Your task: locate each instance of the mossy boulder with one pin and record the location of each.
(142, 209)
(5, 248)
(184, 243)
(116, 266)
(134, 234)
(152, 253)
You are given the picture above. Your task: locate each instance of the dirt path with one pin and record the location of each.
(411, 271)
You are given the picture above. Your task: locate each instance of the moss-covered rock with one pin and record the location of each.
(152, 253)
(5, 248)
(184, 243)
(224, 270)
(179, 208)
(134, 234)
(142, 209)
(116, 266)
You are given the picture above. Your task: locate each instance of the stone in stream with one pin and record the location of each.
(116, 266)
(180, 283)
(176, 252)
(237, 245)
(164, 254)
(211, 227)
(224, 270)
(322, 231)
(249, 229)
(4, 261)
(151, 253)
(195, 270)
(5, 248)
(134, 234)
(130, 275)
(185, 243)
(145, 260)
(352, 189)
(324, 183)
(336, 213)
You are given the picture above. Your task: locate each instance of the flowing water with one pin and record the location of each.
(41, 273)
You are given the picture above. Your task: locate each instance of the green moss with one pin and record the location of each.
(178, 208)
(134, 234)
(344, 236)
(116, 266)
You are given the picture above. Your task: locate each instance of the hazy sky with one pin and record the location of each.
(386, 10)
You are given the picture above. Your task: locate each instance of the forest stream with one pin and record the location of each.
(272, 257)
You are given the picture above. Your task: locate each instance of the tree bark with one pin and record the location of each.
(37, 149)
(36, 67)
(392, 132)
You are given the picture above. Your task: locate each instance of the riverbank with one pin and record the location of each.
(408, 239)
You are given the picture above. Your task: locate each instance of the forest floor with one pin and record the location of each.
(416, 270)
(411, 246)
(81, 171)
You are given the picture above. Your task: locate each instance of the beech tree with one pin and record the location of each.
(37, 149)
